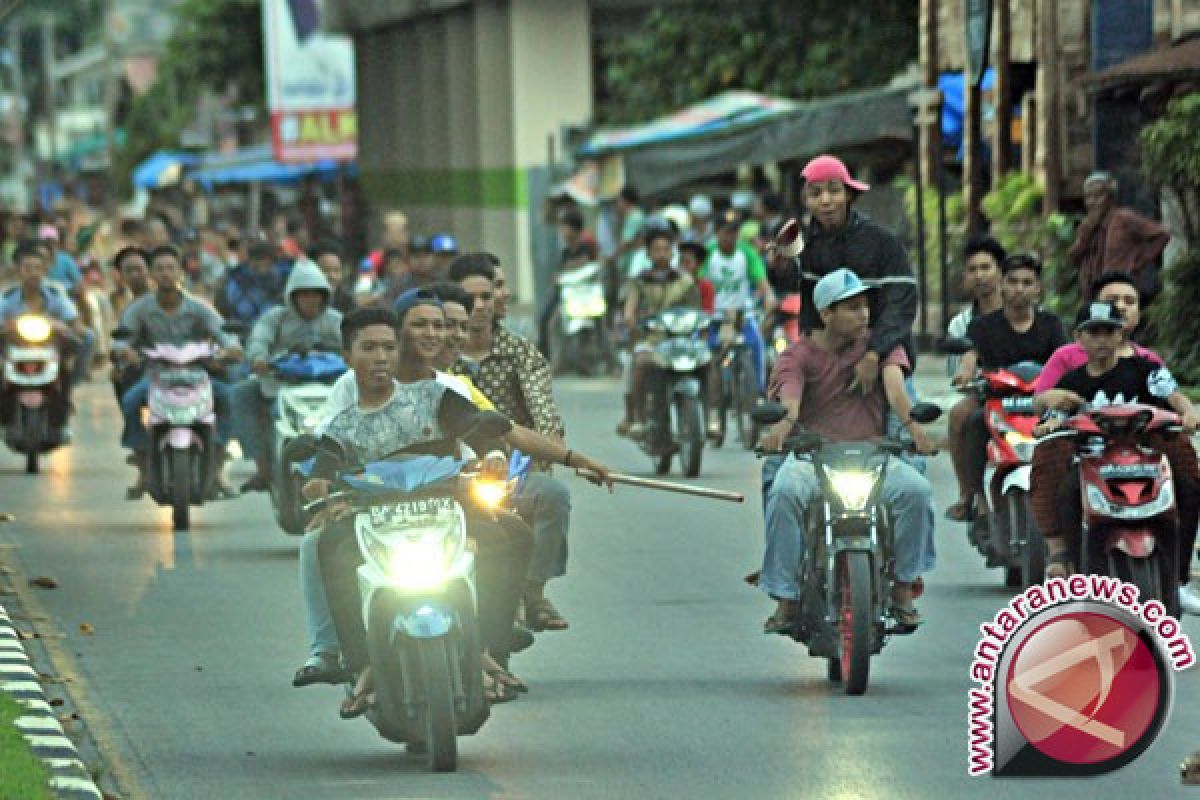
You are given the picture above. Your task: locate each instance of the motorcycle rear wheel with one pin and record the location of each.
(181, 488)
(745, 399)
(1032, 558)
(855, 623)
(690, 419)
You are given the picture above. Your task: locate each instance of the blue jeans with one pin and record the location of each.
(251, 420)
(545, 504)
(83, 356)
(134, 435)
(754, 343)
(906, 492)
(322, 633)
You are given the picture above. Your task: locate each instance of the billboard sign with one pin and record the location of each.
(310, 84)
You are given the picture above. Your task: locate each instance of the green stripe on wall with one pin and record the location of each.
(495, 187)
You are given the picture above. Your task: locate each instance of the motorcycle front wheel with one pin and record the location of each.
(1032, 555)
(690, 418)
(181, 488)
(438, 723)
(745, 399)
(34, 421)
(1148, 575)
(854, 620)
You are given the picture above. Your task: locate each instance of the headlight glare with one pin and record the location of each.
(33, 328)
(853, 488)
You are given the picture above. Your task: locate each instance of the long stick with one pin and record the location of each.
(668, 486)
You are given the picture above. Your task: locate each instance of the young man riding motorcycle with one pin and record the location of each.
(303, 322)
(657, 289)
(738, 275)
(1105, 378)
(169, 315)
(1018, 332)
(416, 410)
(811, 380)
(32, 295)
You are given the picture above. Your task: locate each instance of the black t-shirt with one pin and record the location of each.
(1132, 380)
(998, 345)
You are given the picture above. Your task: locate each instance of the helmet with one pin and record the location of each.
(700, 205)
(443, 243)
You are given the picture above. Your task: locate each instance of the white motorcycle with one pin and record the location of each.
(32, 377)
(581, 341)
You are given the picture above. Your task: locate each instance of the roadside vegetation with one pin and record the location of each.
(22, 775)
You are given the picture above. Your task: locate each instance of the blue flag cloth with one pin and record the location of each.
(315, 366)
(407, 475)
(518, 467)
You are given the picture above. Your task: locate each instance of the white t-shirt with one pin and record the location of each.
(345, 393)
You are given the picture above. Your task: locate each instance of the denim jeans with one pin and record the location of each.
(251, 419)
(84, 351)
(754, 343)
(322, 633)
(906, 492)
(134, 435)
(545, 504)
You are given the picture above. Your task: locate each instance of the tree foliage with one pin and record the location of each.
(217, 46)
(687, 53)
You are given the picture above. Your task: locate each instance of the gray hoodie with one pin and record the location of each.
(282, 328)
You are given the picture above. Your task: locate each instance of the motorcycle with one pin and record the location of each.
(305, 382)
(674, 402)
(1128, 498)
(33, 378)
(847, 577)
(418, 595)
(581, 342)
(784, 329)
(739, 381)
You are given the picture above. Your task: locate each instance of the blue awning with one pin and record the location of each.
(164, 168)
(256, 165)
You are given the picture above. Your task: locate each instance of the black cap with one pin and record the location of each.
(1099, 315)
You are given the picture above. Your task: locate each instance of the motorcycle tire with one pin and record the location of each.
(439, 725)
(833, 670)
(285, 496)
(745, 394)
(690, 418)
(1032, 556)
(855, 621)
(34, 422)
(181, 489)
(1146, 574)
(722, 408)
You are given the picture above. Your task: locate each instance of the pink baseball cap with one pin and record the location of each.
(48, 232)
(828, 168)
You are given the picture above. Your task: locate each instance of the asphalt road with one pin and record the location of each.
(663, 687)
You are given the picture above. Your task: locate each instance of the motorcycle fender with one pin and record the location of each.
(1018, 479)
(31, 399)
(179, 438)
(424, 622)
(1136, 543)
(686, 387)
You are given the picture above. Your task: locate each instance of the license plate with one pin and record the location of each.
(410, 512)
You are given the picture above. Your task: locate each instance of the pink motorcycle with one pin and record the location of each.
(182, 421)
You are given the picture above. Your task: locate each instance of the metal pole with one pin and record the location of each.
(50, 87)
(20, 168)
(668, 486)
(922, 275)
(939, 181)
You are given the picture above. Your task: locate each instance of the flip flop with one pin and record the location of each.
(356, 705)
(321, 668)
(543, 616)
(960, 512)
(505, 678)
(495, 692)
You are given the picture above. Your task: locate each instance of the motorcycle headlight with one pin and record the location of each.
(1021, 444)
(583, 302)
(781, 344)
(33, 328)
(490, 493)
(853, 488)
(418, 558)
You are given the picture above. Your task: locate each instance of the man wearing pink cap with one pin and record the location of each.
(63, 269)
(837, 237)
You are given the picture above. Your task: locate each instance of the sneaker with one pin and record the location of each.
(1189, 600)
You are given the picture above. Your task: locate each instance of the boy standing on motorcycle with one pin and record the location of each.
(811, 380)
(1108, 379)
(304, 322)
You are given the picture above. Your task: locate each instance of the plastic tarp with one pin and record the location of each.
(660, 161)
(255, 165)
(164, 168)
(954, 104)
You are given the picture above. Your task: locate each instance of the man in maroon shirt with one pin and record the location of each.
(1112, 238)
(813, 380)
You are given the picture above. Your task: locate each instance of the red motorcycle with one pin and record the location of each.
(1130, 513)
(1006, 536)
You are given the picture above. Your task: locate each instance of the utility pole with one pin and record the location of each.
(111, 87)
(49, 87)
(21, 111)
(1048, 107)
(1002, 144)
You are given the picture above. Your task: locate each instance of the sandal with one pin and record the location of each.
(1058, 565)
(541, 615)
(321, 668)
(505, 678)
(496, 692)
(360, 699)
(960, 512)
(907, 618)
(782, 621)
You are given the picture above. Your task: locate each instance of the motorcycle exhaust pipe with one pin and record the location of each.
(667, 486)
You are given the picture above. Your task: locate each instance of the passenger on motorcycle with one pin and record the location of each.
(810, 380)
(981, 280)
(34, 295)
(1018, 332)
(305, 322)
(578, 248)
(692, 256)
(739, 276)
(1109, 378)
(659, 288)
(252, 288)
(169, 315)
(133, 267)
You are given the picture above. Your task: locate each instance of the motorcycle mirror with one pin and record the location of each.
(925, 413)
(955, 345)
(122, 333)
(768, 413)
(302, 448)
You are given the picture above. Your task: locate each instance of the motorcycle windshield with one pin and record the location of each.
(407, 475)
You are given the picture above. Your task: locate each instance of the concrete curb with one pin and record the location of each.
(40, 727)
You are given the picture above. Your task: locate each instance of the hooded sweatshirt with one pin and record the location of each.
(283, 329)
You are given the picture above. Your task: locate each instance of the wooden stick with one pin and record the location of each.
(668, 486)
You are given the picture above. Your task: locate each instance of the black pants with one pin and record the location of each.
(503, 550)
(975, 442)
(545, 316)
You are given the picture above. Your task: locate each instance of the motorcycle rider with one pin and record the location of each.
(170, 315)
(657, 289)
(32, 295)
(738, 275)
(577, 250)
(305, 322)
(133, 266)
(1106, 378)
(1018, 332)
(981, 277)
(415, 412)
(251, 288)
(810, 380)
(328, 256)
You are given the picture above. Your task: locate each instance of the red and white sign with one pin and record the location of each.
(310, 85)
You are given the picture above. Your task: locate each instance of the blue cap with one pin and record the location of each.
(839, 285)
(412, 298)
(443, 243)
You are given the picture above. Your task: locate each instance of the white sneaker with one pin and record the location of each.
(1189, 600)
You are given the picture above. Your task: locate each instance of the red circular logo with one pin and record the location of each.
(1083, 688)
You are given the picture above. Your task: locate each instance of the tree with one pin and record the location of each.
(217, 46)
(687, 53)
